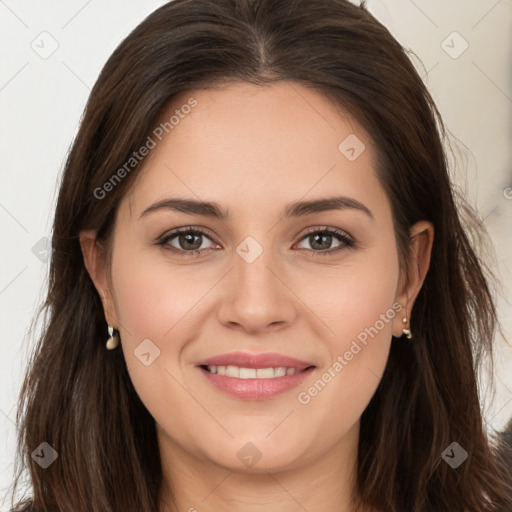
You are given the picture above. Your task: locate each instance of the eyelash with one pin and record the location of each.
(347, 241)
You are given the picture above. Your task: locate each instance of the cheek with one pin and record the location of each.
(156, 318)
(358, 298)
(359, 309)
(153, 299)
(155, 309)
(365, 306)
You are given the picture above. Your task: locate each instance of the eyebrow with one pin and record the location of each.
(297, 209)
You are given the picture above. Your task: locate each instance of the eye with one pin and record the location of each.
(185, 241)
(321, 241)
(189, 241)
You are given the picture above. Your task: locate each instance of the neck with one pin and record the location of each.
(327, 483)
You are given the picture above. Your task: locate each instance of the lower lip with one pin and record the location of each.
(255, 389)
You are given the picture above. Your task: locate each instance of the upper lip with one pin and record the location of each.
(245, 360)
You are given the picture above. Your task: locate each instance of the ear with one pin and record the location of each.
(421, 238)
(95, 263)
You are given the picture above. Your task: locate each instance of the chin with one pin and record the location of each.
(257, 455)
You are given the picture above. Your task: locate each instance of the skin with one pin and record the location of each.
(253, 150)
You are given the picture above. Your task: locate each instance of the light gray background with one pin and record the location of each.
(42, 97)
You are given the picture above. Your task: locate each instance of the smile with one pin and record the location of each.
(254, 376)
(252, 373)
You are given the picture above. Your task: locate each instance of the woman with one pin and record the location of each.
(317, 345)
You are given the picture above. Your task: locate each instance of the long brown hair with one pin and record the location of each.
(79, 398)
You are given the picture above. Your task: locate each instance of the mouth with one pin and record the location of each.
(252, 373)
(254, 376)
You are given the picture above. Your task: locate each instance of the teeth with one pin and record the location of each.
(232, 371)
(247, 373)
(265, 373)
(252, 373)
(281, 371)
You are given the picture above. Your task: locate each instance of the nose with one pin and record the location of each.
(256, 297)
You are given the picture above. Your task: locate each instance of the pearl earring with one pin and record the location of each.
(113, 340)
(406, 331)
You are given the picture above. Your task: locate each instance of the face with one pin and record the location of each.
(259, 333)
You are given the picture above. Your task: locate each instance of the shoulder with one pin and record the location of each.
(504, 456)
(505, 446)
(24, 506)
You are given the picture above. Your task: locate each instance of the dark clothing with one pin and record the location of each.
(23, 507)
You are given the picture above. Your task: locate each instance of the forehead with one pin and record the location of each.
(244, 144)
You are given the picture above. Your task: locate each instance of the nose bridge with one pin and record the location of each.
(253, 262)
(258, 297)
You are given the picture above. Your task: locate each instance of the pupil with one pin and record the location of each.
(185, 239)
(324, 238)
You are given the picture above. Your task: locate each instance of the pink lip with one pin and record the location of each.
(245, 360)
(255, 389)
